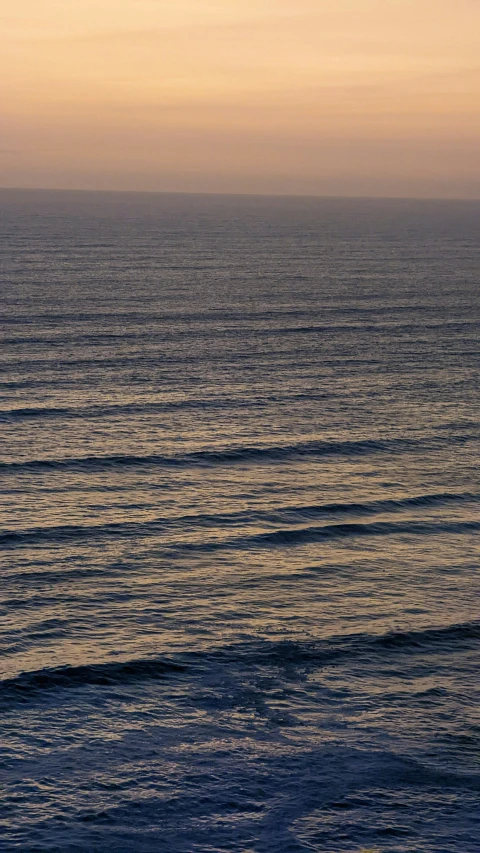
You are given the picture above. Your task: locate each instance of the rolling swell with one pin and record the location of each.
(446, 638)
(225, 456)
(27, 684)
(17, 415)
(214, 402)
(324, 533)
(345, 531)
(60, 533)
(241, 658)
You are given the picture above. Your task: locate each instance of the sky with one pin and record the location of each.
(345, 97)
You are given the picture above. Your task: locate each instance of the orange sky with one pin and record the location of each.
(348, 97)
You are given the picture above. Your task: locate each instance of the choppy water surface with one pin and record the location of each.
(239, 525)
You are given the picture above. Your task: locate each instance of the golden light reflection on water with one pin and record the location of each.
(246, 614)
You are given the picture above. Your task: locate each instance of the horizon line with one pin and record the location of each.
(240, 194)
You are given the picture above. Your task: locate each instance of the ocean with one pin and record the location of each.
(240, 494)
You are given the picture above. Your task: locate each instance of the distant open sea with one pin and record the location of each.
(240, 517)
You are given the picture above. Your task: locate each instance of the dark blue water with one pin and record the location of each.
(240, 510)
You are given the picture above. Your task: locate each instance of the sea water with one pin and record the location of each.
(239, 524)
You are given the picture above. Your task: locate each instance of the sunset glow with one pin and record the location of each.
(356, 97)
